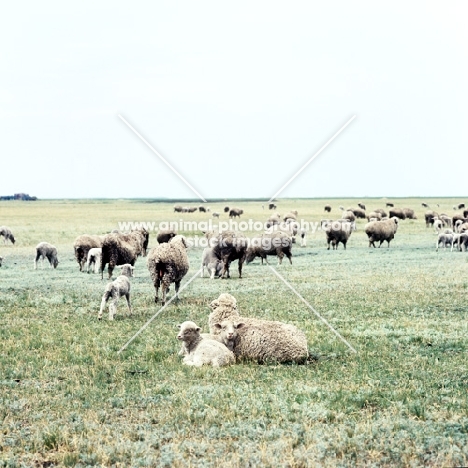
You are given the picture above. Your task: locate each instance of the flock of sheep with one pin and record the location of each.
(232, 336)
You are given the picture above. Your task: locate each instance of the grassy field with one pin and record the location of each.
(68, 399)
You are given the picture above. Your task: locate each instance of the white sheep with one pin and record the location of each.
(438, 225)
(213, 264)
(94, 258)
(446, 239)
(199, 350)
(115, 290)
(45, 250)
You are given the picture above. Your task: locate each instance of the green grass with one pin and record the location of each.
(68, 399)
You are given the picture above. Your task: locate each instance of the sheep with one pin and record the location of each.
(465, 213)
(337, 231)
(292, 215)
(381, 231)
(374, 215)
(226, 209)
(215, 214)
(463, 241)
(233, 212)
(463, 227)
(409, 213)
(396, 213)
(228, 246)
(429, 216)
(199, 350)
(178, 209)
(358, 212)
(94, 258)
(276, 243)
(458, 217)
(271, 206)
(168, 263)
(115, 290)
(165, 235)
(327, 208)
(211, 262)
(82, 246)
(202, 209)
(461, 206)
(362, 206)
(456, 241)
(119, 249)
(45, 250)
(272, 220)
(7, 235)
(438, 224)
(382, 212)
(457, 225)
(349, 216)
(192, 209)
(390, 205)
(257, 339)
(444, 238)
(425, 205)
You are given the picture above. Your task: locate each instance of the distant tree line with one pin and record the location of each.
(18, 196)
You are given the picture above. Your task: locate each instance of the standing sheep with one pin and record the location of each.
(374, 214)
(349, 216)
(82, 246)
(380, 231)
(397, 213)
(213, 264)
(233, 212)
(118, 288)
(7, 235)
(199, 350)
(257, 339)
(382, 212)
(429, 217)
(45, 250)
(168, 263)
(215, 214)
(336, 232)
(446, 239)
(358, 212)
(409, 213)
(202, 209)
(165, 235)
(271, 206)
(94, 258)
(178, 209)
(362, 206)
(276, 243)
(119, 249)
(327, 208)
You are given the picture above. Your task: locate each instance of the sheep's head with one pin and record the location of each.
(188, 331)
(181, 240)
(12, 238)
(228, 332)
(55, 262)
(127, 270)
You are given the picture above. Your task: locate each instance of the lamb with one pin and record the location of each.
(45, 250)
(381, 231)
(211, 262)
(199, 350)
(7, 235)
(115, 290)
(82, 246)
(94, 258)
(444, 238)
(215, 214)
(457, 225)
(233, 212)
(228, 246)
(337, 231)
(119, 249)
(276, 243)
(257, 339)
(168, 263)
(397, 213)
(165, 235)
(327, 208)
(409, 213)
(457, 217)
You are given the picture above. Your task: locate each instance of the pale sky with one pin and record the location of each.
(237, 96)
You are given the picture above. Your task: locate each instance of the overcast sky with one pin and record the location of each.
(237, 96)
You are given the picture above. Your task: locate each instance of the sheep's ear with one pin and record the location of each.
(218, 326)
(239, 325)
(179, 326)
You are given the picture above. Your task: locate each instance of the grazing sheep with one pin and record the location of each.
(118, 288)
(233, 212)
(380, 231)
(276, 243)
(94, 258)
(165, 235)
(45, 250)
(272, 206)
(178, 209)
(358, 212)
(429, 216)
(119, 249)
(226, 209)
(362, 206)
(376, 215)
(192, 209)
(444, 238)
(396, 213)
(215, 214)
(228, 246)
(327, 208)
(7, 235)
(425, 205)
(202, 209)
(337, 231)
(409, 213)
(461, 206)
(349, 216)
(382, 212)
(257, 339)
(168, 263)
(199, 350)
(213, 264)
(447, 220)
(390, 205)
(82, 246)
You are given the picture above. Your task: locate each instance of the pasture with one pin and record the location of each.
(68, 398)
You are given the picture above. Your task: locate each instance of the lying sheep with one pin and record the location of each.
(336, 232)
(45, 250)
(199, 350)
(276, 243)
(168, 263)
(118, 288)
(82, 246)
(257, 339)
(165, 235)
(458, 217)
(7, 235)
(446, 239)
(213, 264)
(119, 249)
(94, 258)
(380, 231)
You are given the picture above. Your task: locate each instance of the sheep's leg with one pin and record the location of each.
(164, 290)
(344, 245)
(241, 262)
(280, 255)
(202, 274)
(213, 271)
(127, 296)
(103, 305)
(113, 309)
(35, 261)
(156, 286)
(288, 254)
(177, 286)
(266, 260)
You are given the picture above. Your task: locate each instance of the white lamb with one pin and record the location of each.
(115, 290)
(213, 264)
(94, 258)
(199, 350)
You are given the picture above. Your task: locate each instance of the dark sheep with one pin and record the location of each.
(233, 212)
(165, 235)
(425, 205)
(82, 245)
(271, 206)
(409, 213)
(461, 206)
(430, 216)
(178, 209)
(226, 209)
(397, 213)
(390, 205)
(362, 206)
(380, 231)
(202, 209)
(327, 208)
(336, 232)
(276, 243)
